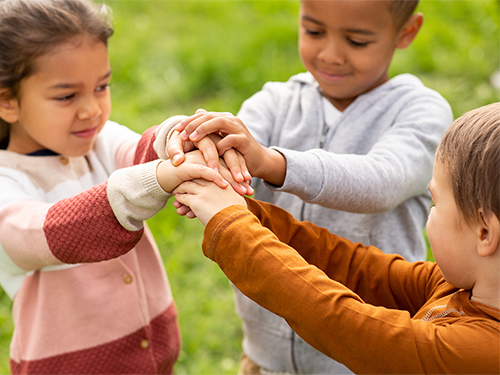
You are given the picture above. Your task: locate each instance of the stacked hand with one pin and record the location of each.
(224, 135)
(227, 147)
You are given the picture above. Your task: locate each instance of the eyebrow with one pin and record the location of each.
(305, 17)
(71, 85)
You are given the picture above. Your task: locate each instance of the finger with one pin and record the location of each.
(182, 125)
(233, 163)
(209, 150)
(242, 188)
(189, 187)
(190, 215)
(212, 123)
(200, 171)
(175, 148)
(196, 167)
(243, 166)
(183, 210)
(248, 188)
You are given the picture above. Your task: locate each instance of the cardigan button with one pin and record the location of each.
(145, 344)
(64, 160)
(127, 279)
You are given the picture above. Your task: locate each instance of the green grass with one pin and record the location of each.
(172, 57)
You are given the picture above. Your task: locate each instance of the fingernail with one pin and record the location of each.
(183, 135)
(250, 190)
(240, 176)
(176, 158)
(193, 135)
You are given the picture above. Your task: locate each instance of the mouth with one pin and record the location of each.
(86, 133)
(333, 77)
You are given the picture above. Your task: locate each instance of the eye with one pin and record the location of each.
(357, 43)
(65, 98)
(103, 87)
(312, 32)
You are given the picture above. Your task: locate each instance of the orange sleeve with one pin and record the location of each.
(367, 338)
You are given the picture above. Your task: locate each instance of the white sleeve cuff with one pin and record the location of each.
(163, 133)
(135, 194)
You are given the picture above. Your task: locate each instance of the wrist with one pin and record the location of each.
(166, 176)
(274, 167)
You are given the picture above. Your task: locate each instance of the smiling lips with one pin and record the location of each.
(332, 77)
(87, 133)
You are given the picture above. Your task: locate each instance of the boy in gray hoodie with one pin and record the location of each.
(343, 146)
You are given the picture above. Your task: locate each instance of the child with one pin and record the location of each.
(375, 312)
(89, 287)
(353, 148)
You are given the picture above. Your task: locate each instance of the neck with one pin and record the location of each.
(487, 292)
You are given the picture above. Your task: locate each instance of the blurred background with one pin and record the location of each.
(174, 56)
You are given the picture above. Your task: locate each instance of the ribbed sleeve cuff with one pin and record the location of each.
(162, 135)
(135, 195)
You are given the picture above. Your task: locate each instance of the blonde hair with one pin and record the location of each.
(470, 149)
(32, 28)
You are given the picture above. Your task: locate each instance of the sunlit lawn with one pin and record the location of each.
(172, 57)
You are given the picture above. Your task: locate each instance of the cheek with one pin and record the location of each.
(303, 54)
(306, 51)
(432, 230)
(105, 105)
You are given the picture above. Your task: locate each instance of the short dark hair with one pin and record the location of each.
(402, 10)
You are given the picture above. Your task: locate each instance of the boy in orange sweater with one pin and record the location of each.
(376, 312)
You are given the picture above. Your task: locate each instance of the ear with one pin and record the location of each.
(8, 109)
(409, 30)
(488, 233)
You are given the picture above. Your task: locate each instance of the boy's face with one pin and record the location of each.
(65, 103)
(347, 46)
(453, 242)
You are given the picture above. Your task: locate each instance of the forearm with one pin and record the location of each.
(371, 183)
(326, 314)
(74, 230)
(272, 169)
(383, 279)
(329, 316)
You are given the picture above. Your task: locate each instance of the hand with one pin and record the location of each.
(262, 162)
(226, 174)
(205, 198)
(170, 176)
(176, 147)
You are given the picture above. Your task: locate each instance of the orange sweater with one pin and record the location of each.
(373, 312)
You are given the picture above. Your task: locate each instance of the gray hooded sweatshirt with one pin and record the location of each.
(364, 177)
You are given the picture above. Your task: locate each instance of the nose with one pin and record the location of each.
(89, 108)
(332, 52)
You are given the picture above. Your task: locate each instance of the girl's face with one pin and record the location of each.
(65, 103)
